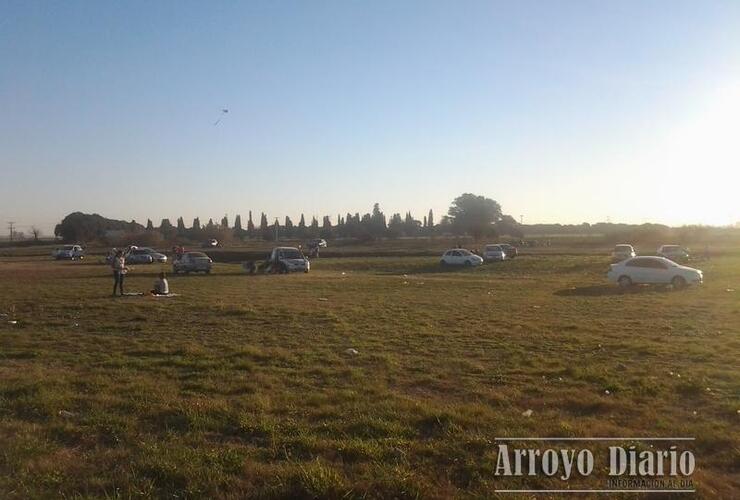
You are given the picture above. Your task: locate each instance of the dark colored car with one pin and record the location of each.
(192, 262)
(510, 250)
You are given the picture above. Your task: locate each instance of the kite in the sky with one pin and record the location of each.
(223, 112)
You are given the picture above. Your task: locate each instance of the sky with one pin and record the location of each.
(570, 112)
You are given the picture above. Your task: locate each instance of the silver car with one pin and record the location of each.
(156, 256)
(192, 262)
(139, 256)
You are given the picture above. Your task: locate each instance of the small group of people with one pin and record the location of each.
(118, 264)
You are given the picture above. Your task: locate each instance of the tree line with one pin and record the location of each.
(469, 214)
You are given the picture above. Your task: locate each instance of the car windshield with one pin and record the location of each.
(493, 248)
(291, 253)
(197, 255)
(69, 247)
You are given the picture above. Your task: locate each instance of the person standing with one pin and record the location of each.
(119, 270)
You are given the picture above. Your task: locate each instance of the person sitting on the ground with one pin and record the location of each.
(161, 287)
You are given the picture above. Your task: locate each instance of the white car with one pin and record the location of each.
(494, 252)
(623, 252)
(460, 257)
(653, 270)
(70, 252)
(192, 262)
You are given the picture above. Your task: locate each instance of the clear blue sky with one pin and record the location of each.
(566, 111)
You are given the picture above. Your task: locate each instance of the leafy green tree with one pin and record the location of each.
(395, 226)
(474, 215)
(167, 230)
(508, 226)
(250, 226)
(239, 231)
(313, 229)
(410, 225)
(79, 227)
(301, 230)
(288, 228)
(181, 229)
(326, 229)
(377, 223)
(265, 231)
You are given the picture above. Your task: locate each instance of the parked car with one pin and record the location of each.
(287, 260)
(139, 256)
(156, 256)
(494, 253)
(212, 243)
(68, 252)
(192, 262)
(511, 250)
(674, 252)
(460, 257)
(316, 243)
(653, 270)
(623, 252)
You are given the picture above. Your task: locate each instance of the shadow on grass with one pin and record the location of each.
(607, 290)
(433, 269)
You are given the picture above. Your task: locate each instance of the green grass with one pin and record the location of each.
(241, 386)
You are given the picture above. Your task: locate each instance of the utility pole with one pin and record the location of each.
(277, 224)
(12, 231)
(521, 220)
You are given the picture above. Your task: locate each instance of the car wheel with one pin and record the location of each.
(624, 281)
(468, 263)
(208, 271)
(443, 263)
(678, 282)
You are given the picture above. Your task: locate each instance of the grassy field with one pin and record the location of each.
(242, 387)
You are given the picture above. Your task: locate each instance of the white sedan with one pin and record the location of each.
(653, 270)
(460, 257)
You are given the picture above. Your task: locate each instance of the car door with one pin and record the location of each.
(452, 257)
(636, 270)
(658, 271)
